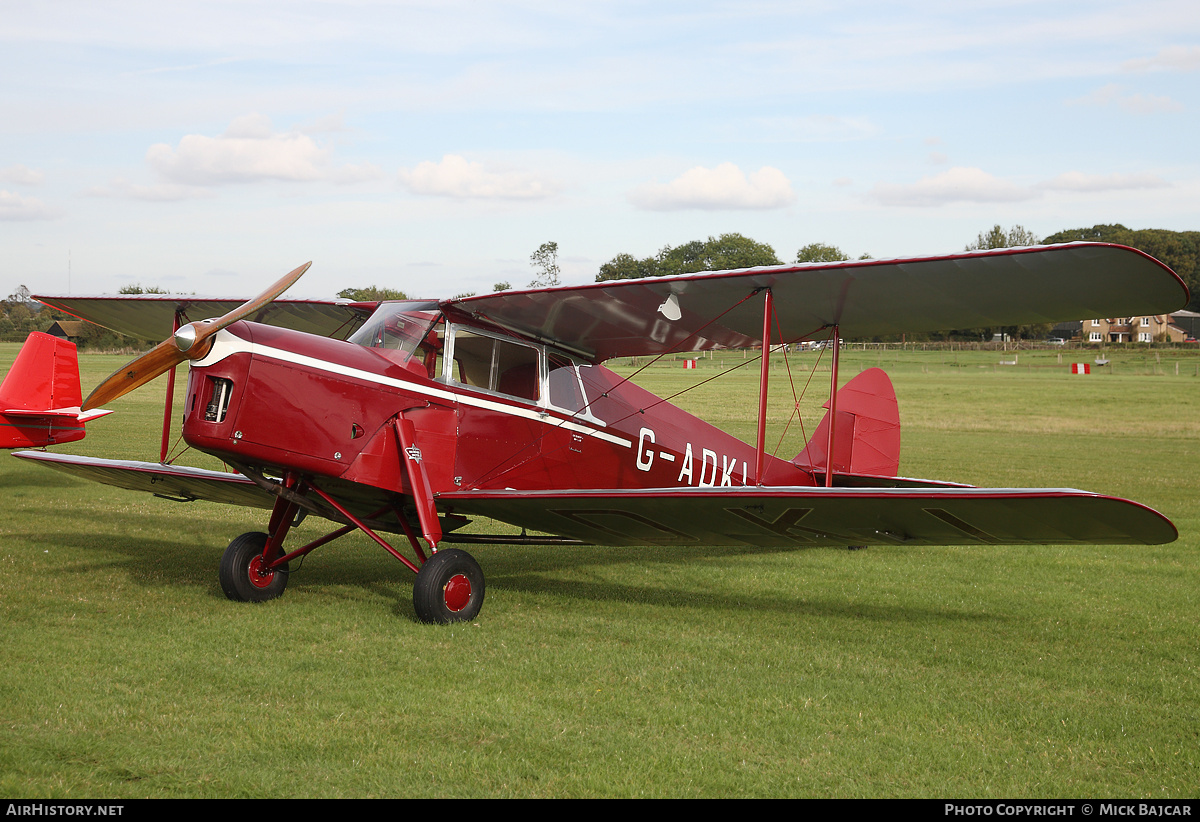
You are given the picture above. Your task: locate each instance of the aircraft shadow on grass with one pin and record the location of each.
(189, 566)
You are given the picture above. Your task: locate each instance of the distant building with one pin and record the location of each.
(1189, 321)
(67, 330)
(1130, 329)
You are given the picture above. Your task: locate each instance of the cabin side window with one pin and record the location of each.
(563, 384)
(565, 387)
(495, 364)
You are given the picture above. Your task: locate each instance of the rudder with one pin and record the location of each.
(867, 434)
(44, 376)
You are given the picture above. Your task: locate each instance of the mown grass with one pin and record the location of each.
(963, 671)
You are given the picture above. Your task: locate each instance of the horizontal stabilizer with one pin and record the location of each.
(72, 413)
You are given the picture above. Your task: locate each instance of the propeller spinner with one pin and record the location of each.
(190, 342)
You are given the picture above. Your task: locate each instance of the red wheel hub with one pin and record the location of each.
(260, 577)
(457, 592)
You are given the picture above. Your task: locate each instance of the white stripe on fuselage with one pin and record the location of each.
(226, 344)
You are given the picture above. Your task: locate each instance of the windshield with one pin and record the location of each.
(406, 327)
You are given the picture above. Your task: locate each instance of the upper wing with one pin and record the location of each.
(778, 517)
(152, 316)
(865, 298)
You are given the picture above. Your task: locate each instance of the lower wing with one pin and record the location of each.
(774, 517)
(767, 517)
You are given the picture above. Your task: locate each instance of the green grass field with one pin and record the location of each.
(887, 672)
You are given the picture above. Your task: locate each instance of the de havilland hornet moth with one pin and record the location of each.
(500, 406)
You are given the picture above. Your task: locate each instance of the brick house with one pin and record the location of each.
(1130, 329)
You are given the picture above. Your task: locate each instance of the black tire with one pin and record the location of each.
(449, 588)
(239, 573)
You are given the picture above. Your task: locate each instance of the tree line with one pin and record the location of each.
(1180, 250)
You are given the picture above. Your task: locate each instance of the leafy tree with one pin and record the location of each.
(714, 254)
(627, 267)
(997, 237)
(820, 253)
(1113, 233)
(21, 295)
(371, 294)
(138, 288)
(20, 315)
(503, 286)
(545, 262)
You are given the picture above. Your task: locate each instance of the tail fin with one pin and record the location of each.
(40, 396)
(867, 434)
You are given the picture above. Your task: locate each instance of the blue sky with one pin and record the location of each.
(433, 146)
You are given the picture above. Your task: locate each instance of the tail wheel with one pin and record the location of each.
(244, 576)
(449, 588)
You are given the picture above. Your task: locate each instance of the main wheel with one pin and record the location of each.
(243, 575)
(449, 588)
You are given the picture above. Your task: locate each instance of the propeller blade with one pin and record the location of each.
(159, 360)
(187, 343)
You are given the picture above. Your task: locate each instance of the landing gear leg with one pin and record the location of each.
(448, 588)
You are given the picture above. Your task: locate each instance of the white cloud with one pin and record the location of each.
(715, 189)
(1170, 58)
(457, 177)
(1114, 94)
(957, 185)
(1078, 181)
(160, 193)
(812, 128)
(973, 185)
(14, 207)
(21, 175)
(250, 151)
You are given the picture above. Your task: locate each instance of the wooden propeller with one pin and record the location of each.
(190, 342)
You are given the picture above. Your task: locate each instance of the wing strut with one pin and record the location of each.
(764, 369)
(166, 432)
(833, 384)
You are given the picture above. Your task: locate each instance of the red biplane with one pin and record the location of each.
(500, 406)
